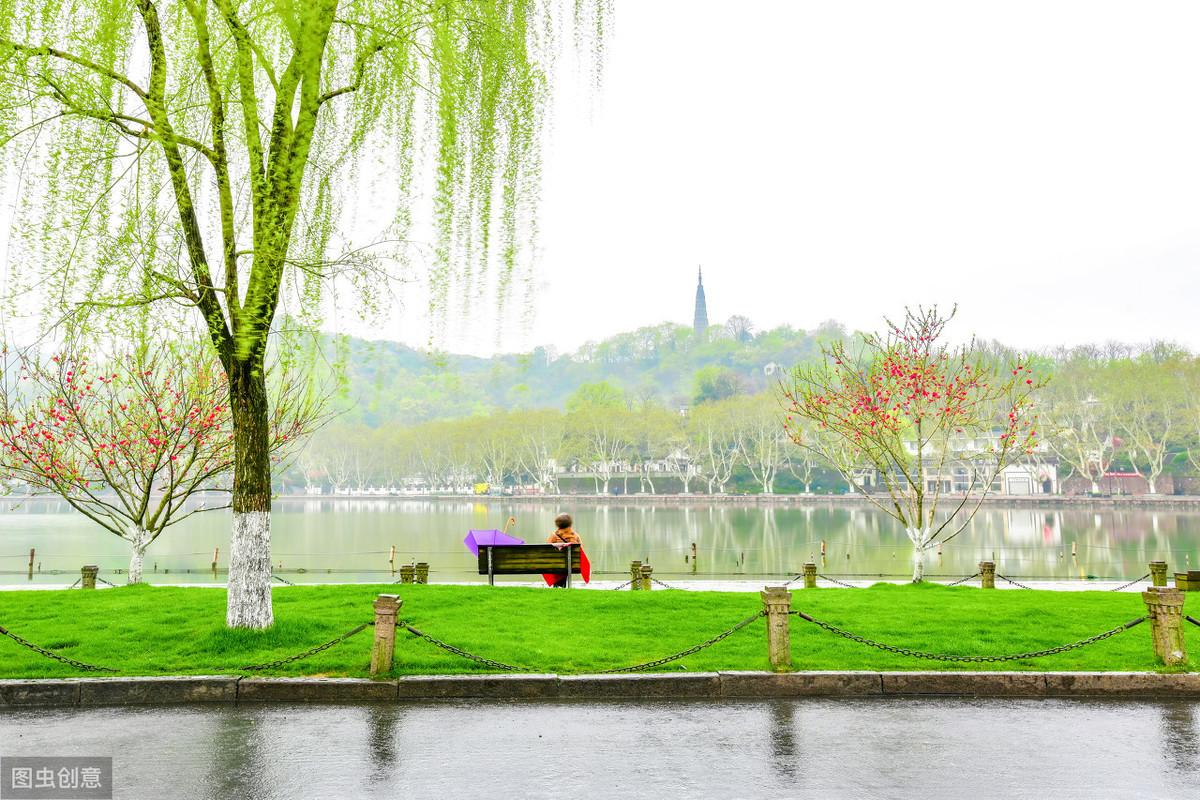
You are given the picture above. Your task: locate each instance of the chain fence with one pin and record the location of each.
(51, 655)
(458, 651)
(312, 651)
(835, 580)
(1014, 583)
(904, 651)
(690, 651)
(366, 575)
(632, 581)
(1192, 620)
(500, 665)
(1131, 583)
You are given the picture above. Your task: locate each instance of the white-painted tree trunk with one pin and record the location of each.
(920, 542)
(1150, 484)
(139, 540)
(249, 604)
(1095, 487)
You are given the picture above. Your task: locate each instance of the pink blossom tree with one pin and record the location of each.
(128, 441)
(906, 414)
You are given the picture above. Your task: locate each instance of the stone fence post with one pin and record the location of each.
(387, 606)
(406, 573)
(810, 575)
(778, 602)
(645, 577)
(1158, 573)
(987, 574)
(635, 575)
(90, 572)
(422, 572)
(1165, 608)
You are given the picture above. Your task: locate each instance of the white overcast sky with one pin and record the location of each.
(1036, 162)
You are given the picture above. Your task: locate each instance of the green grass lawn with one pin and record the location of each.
(147, 630)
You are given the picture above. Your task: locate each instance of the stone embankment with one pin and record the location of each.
(694, 686)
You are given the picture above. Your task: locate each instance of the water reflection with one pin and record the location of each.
(818, 747)
(382, 724)
(784, 756)
(1180, 738)
(343, 540)
(236, 765)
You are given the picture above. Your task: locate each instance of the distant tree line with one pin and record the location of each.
(604, 441)
(1110, 408)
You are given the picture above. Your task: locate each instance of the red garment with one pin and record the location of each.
(585, 570)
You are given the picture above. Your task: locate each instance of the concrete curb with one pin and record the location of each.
(695, 685)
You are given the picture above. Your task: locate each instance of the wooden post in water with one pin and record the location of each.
(810, 575)
(693, 558)
(89, 571)
(32, 551)
(987, 574)
(778, 602)
(1158, 573)
(635, 575)
(422, 575)
(384, 647)
(392, 560)
(645, 577)
(216, 554)
(1164, 606)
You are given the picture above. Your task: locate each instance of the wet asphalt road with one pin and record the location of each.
(812, 748)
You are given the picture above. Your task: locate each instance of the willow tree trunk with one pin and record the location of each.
(249, 603)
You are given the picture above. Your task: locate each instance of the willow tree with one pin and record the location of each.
(199, 152)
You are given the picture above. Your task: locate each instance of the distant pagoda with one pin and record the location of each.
(700, 322)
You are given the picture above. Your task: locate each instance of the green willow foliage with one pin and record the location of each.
(201, 151)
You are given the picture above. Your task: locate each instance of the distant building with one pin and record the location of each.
(700, 321)
(1035, 473)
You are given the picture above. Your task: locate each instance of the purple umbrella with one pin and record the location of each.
(477, 539)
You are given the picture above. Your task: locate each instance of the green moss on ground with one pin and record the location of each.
(148, 630)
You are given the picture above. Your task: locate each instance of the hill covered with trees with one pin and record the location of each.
(700, 414)
(667, 364)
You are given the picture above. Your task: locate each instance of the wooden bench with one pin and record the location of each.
(528, 559)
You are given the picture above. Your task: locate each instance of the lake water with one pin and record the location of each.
(862, 749)
(335, 540)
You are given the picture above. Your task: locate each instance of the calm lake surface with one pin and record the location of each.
(336, 540)
(839, 748)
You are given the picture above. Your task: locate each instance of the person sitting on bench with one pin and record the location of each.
(563, 535)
